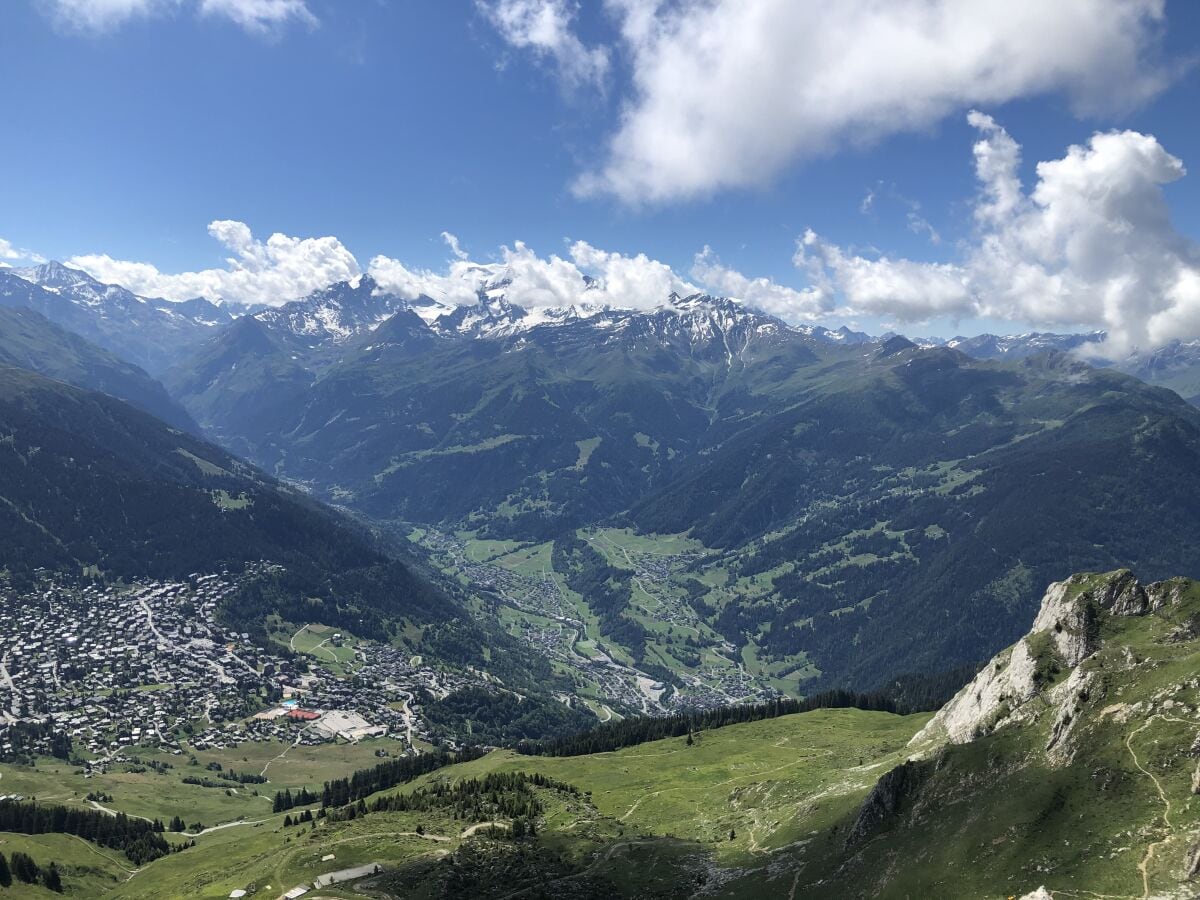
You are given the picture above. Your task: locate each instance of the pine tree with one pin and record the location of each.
(5, 873)
(52, 880)
(25, 868)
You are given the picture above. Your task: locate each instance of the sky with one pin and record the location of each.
(932, 166)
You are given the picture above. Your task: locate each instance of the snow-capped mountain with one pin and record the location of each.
(843, 335)
(336, 313)
(1019, 346)
(1176, 366)
(148, 331)
(702, 322)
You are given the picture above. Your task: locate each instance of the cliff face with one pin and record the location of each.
(1066, 631)
(1072, 760)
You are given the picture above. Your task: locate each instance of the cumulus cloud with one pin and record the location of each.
(1092, 244)
(543, 28)
(274, 271)
(727, 93)
(587, 276)
(777, 299)
(263, 17)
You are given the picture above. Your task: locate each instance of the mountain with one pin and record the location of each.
(30, 341)
(1069, 763)
(89, 483)
(846, 494)
(149, 332)
(333, 314)
(1175, 366)
(923, 487)
(431, 428)
(1020, 346)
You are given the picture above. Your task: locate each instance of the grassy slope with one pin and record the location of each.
(770, 782)
(764, 808)
(1000, 817)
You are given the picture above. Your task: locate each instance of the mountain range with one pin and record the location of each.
(146, 331)
(849, 489)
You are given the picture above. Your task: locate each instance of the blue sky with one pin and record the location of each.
(386, 123)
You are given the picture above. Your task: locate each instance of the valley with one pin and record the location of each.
(623, 604)
(537, 605)
(616, 450)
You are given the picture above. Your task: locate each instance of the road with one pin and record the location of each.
(11, 715)
(406, 711)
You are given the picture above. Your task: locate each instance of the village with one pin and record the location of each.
(147, 665)
(550, 623)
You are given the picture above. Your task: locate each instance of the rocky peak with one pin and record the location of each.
(1066, 632)
(335, 313)
(55, 275)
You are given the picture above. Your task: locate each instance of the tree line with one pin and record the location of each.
(138, 839)
(635, 730)
(364, 782)
(25, 869)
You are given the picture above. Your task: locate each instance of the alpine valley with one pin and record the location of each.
(359, 595)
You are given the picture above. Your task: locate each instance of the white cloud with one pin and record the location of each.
(779, 300)
(103, 15)
(727, 93)
(10, 254)
(543, 27)
(264, 17)
(274, 271)
(1092, 244)
(452, 242)
(589, 276)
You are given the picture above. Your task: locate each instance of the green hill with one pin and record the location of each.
(1070, 763)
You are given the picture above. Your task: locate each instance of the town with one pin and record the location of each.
(108, 668)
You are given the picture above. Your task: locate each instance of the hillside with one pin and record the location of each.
(1069, 763)
(30, 341)
(89, 483)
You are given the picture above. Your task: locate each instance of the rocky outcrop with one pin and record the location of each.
(1068, 701)
(886, 799)
(1070, 610)
(1065, 632)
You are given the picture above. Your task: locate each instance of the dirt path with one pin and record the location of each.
(295, 743)
(479, 827)
(1144, 865)
(225, 825)
(113, 812)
